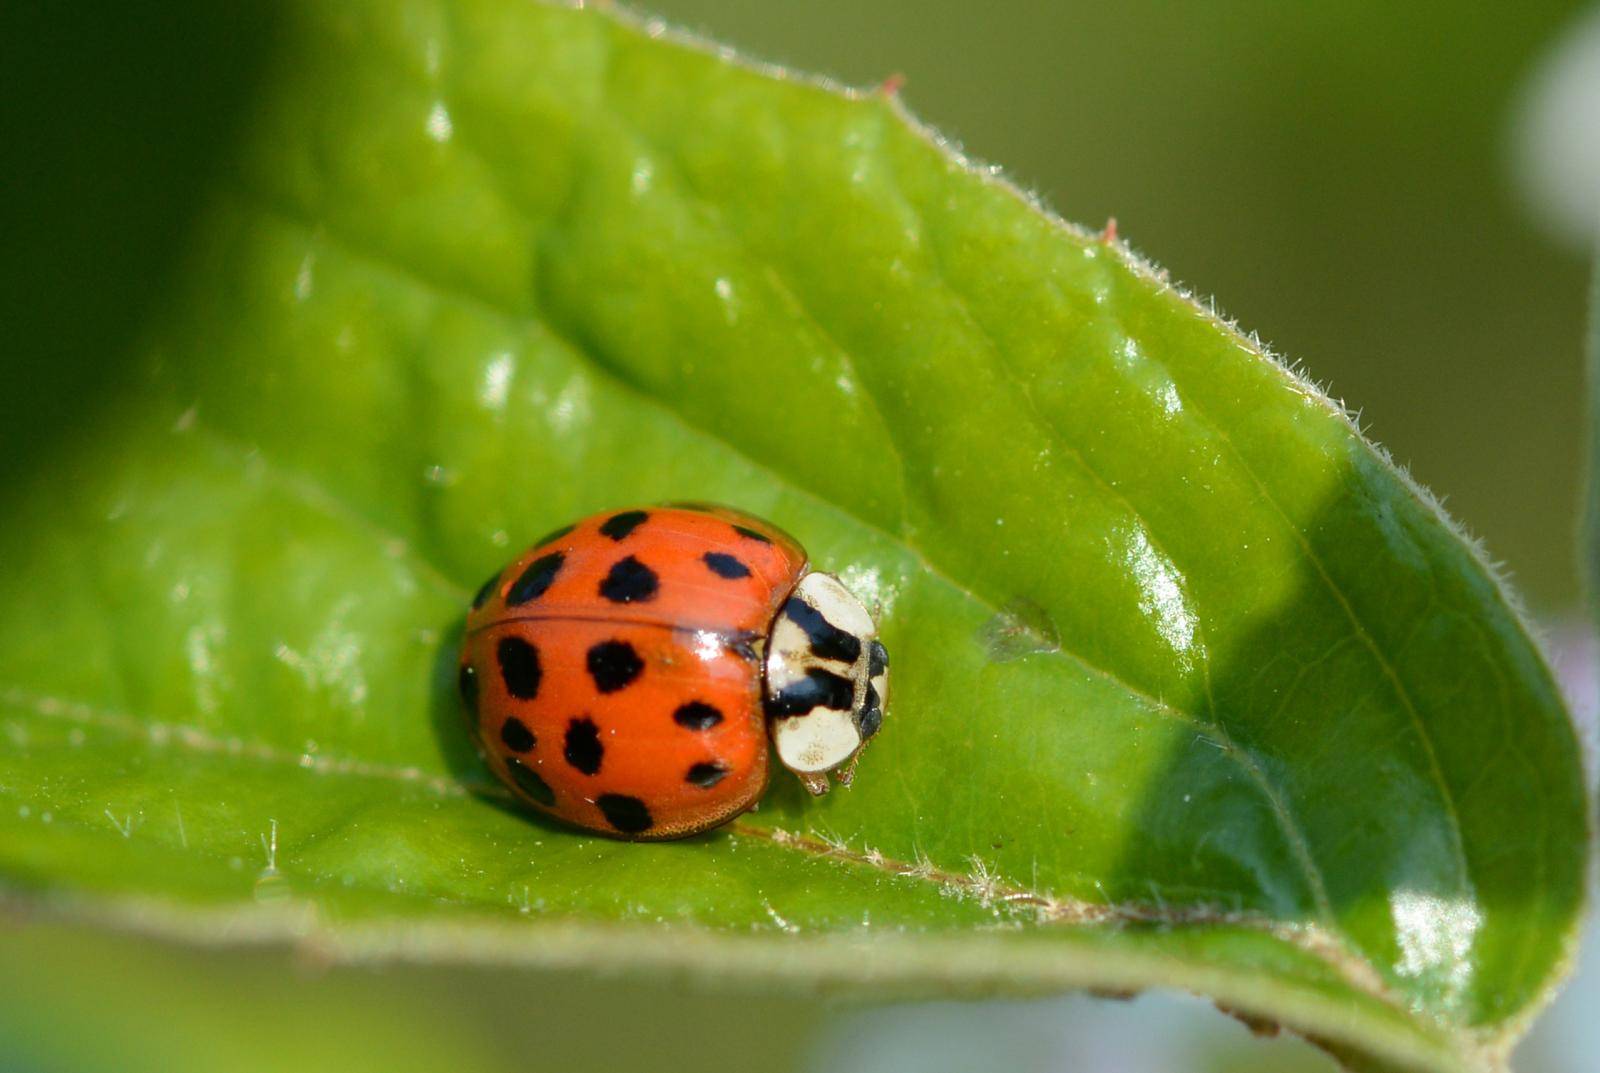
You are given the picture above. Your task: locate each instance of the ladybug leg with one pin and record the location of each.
(848, 772)
(815, 781)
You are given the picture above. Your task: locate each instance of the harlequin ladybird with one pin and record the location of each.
(624, 674)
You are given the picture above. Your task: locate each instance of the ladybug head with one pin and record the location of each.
(827, 681)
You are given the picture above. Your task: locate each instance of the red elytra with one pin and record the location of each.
(612, 672)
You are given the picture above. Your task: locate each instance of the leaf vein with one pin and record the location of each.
(309, 492)
(198, 740)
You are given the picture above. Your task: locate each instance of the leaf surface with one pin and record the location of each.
(1192, 687)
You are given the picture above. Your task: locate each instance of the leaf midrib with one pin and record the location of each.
(1048, 909)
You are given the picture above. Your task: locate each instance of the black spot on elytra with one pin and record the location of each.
(752, 534)
(515, 733)
(486, 591)
(467, 682)
(871, 717)
(618, 526)
(519, 667)
(818, 687)
(696, 715)
(613, 665)
(626, 814)
(827, 640)
(535, 579)
(725, 566)
(877, 659)
(706, 775)
(529, 782)
(629, 582)
(584, 750)
(554, 535)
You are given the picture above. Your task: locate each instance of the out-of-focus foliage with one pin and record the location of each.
(80, 1000)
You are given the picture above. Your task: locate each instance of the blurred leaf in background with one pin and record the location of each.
(114, 121)
(78, 999)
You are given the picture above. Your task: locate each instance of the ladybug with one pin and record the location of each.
(625, 673)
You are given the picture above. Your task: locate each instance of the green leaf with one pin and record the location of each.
(1193, 689)
(83, 999)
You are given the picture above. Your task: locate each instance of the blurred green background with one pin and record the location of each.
(1335, 173)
